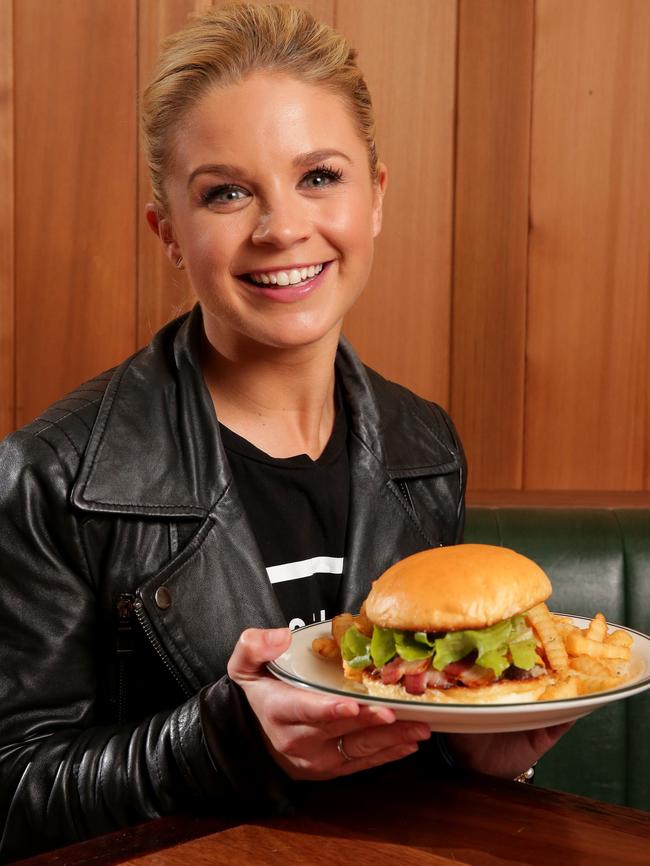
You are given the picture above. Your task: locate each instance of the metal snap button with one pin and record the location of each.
(163, 598)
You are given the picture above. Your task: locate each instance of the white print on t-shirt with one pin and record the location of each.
(305, 568)
(300, 623)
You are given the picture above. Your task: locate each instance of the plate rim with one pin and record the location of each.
(486, 709)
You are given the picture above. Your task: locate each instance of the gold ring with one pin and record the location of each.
(341, 749)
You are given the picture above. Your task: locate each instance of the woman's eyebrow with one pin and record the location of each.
(222, 168)
(234, 171)
(304, 159)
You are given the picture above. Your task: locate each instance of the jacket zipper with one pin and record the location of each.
(124, 651)
(128, 606)
(406, 493)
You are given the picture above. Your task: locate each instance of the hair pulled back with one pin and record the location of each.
(223, 46)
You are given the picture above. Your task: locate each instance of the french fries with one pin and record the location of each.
(578, 645)
(326, 648)
(542, 622)
(586, 660)
(598, 660)
(565, 687)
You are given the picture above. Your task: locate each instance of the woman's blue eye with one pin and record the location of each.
(321, 177)
(223, 194)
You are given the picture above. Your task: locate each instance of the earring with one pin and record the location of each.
(179, 262)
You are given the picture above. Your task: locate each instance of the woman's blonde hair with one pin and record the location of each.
(223, 46)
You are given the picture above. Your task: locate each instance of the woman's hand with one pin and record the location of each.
(505, 755)
(302, 729)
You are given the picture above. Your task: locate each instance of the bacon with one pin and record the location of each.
(418, 676)
(417, 684)
(457, 669)
(476, 676)
(393, 672)
(438, 680)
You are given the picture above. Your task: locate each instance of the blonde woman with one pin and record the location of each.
(165, 526)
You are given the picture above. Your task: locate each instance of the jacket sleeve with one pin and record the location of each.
(63, 778)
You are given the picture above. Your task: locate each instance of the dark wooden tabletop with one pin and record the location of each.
(473, 820)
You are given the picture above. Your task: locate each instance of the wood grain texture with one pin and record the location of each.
(587, 363)
(559, 498)
(163, 291)
(346, 821)
(401, 325)
(488, 341)
(288, 847)
(75, 193)
(7, 282)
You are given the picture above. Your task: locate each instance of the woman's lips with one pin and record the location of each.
(287, 294)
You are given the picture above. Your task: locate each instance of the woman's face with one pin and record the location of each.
(273, 209)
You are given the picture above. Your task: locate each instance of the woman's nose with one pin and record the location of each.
(282, 225)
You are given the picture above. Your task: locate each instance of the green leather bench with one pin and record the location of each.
(596, 559)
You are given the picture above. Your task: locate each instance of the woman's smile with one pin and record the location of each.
(287, 284)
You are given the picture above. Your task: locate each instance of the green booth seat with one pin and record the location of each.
(596, 559)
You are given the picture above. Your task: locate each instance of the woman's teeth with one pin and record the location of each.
(286, 278)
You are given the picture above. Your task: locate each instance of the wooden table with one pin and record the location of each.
(467, 819)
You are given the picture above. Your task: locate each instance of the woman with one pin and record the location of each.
(139, 533)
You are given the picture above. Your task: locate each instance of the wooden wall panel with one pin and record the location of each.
(401, 325)
(7, 335)
(163, 291)
(488, 343)
(587, 384)
(75, 193)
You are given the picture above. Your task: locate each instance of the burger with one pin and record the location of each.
(449, 625)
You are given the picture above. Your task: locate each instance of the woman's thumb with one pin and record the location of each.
(256, 647)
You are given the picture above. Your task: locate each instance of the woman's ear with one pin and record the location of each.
(162, 227)
(378, 200)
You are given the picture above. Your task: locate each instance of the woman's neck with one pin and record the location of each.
(280, 400)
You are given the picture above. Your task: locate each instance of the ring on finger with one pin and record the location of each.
(341, 750)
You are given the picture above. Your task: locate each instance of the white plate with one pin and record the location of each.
(298, 666)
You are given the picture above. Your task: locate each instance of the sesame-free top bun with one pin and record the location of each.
(458, 587)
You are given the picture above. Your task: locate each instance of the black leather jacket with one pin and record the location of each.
(128, 571)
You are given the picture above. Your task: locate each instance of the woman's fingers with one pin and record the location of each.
(368, 742)
(333, 716)
(393, 753)
(256, 647)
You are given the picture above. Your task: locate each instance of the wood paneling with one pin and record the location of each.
(163, 291)
(495, 56)
(587, 365)
(75, 193)
(7, 288)
(401, 325)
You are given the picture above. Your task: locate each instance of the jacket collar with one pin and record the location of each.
(155, 447)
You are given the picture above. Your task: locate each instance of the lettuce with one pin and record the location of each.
(496, 647)
(410, 648)
(382, 646)
(355, 648)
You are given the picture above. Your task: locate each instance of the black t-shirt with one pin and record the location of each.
(298, 510)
